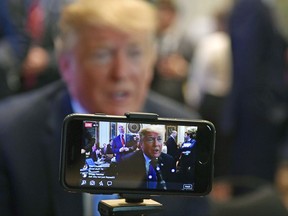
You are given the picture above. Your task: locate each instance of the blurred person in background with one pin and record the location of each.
(255, 113)
(106, 54)
(27, 32)
(174, 52)
(209, 80)
(14, 43)
(256, 109)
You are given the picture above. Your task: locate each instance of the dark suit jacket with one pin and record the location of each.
(132, 170)
(259, 90)
(171, 147)
(30, 137)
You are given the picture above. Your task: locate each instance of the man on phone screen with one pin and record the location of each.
(148, 167)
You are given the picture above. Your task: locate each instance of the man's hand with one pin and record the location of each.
(123, 149)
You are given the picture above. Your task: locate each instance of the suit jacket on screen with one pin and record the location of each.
(171, 147)
(132, 170)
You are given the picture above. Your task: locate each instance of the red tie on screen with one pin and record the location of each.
(122, 140)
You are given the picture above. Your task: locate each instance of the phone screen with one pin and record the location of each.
(114, 154)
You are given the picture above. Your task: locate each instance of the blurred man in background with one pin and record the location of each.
(256, 112)
(174, 52)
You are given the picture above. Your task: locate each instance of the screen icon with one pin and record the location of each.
(83, 182)
(187, 186)
(92, 182)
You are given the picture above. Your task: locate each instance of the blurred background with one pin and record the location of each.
(226, 59)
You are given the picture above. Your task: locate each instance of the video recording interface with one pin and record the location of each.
(121, 155)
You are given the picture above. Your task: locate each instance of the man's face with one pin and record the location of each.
(186, 137)
(151, 144)
(174, 134)
(109, 71)
(166, 17)
(121, 129)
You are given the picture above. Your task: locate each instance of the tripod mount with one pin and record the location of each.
(130, 205)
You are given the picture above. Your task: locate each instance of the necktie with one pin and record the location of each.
(35, 20)
(122, 140)
(152, 177)
(35, 28)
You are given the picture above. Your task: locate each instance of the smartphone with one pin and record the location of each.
(96, 159)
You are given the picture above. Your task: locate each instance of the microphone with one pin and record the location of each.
(161, 181)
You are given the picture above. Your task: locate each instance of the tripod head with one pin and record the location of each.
(129, 204)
